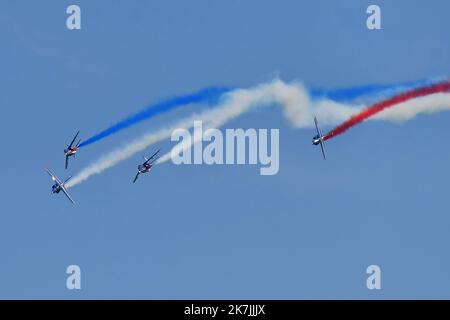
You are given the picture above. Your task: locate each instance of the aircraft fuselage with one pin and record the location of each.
(144, 168)
(56, 188)
(70, 152)
(316, 140)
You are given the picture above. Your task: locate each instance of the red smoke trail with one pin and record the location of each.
(380, 106)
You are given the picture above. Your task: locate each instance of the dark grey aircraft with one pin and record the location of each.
(147, 165)
(318, 139)
(59, 185)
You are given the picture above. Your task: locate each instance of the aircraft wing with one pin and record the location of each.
(135, 178)
(67, 162)
(154, 160)
(322, 146)
(54, 178)
(74, 138)
(317, 127)
(148, 160)
(50, 174)
(63, 188)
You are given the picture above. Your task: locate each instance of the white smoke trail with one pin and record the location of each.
(405, 111)
(297, 108)
(116, 156)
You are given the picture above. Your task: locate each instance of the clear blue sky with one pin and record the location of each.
(222, 231)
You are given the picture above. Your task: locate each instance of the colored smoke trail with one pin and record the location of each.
(293, 99)
(211, 95)
(208, 95)
(385, 104)
(374, 91)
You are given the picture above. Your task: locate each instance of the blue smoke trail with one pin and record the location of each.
(208, 95)
(371, 90)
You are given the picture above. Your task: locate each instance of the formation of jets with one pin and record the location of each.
(72, 149)
(148, 163)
